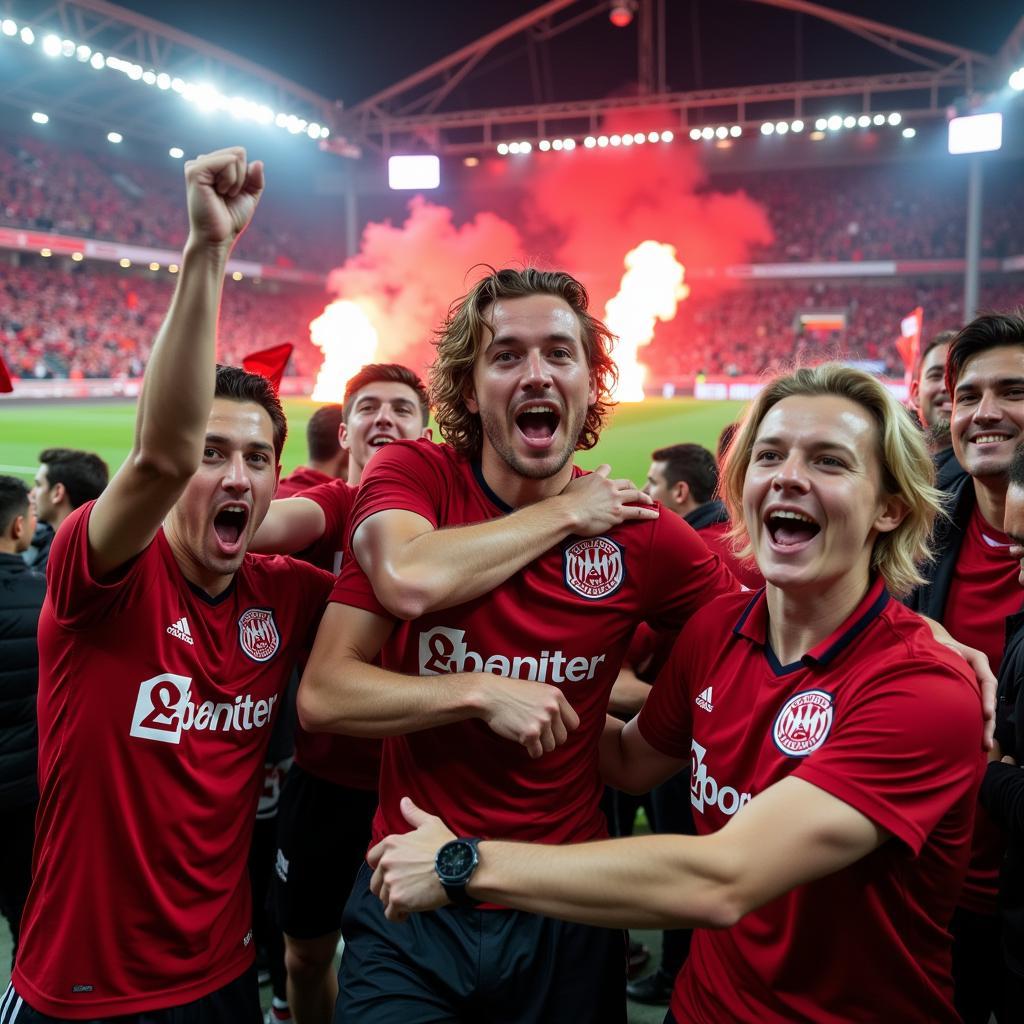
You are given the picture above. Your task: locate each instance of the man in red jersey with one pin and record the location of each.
(330, 793)
(971, 588)
(327, 459)
(832, 838)
(501, 587)
(164, 649)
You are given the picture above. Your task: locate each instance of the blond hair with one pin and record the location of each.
(465, 329)
(907, 472)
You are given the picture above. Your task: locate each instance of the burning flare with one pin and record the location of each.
(349, 341)
(651, 290)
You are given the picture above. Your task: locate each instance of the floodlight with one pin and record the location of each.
(324, 132)
(797, 126)
(590, 142)
(513, 147)
(695, 134)
(172, 268)
(976, 133)
(83, 52)
(569, 144)
(878, 119)
(313, 131)
(863, 121)
(178, 85)
(51, 46)
(237, 276)
(721, 132)
(163, 81)
(653, 136)
(909, 133)
(639, 137)
(8, 27)
(176, 152)
(115, 137)
(781, 128)
(154, 266)
(40, 118)
(735, 131)
(149, 77)
(627, 139)
(767, 128)
(420, 171)
(67, 48)
(98, 61)
(1016, 79)
(77, 257)
(894, 119)
(524, 147)
(834, 123)
(557, 145)
(707, 133)
(849, 121)
(602, 141)
(502, 149)
(28, 37)
(544, 145)
(124, 262)
(667, 136)
(46, 253)
(616, 140)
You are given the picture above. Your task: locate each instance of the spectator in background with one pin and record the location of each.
(1002, 789)
(931, 400)
(21, 596)
(66, 478)
(684, 478)
(327, 459)
(971, 588)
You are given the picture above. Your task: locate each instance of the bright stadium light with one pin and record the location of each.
(835, 122)
(28, 37)
(639, 138)
(821, 124)
(590, 142)
(894, 119)
(768, 128)
(46, 253)
(513, 147)
(781, 128)
(115, 137)
(77, 257)
(878, 119)
(40, 118)
(653, 137)
(863, 121)
(51, 46)
(557, 145)
(83, 53)
(909, 133)
(154, 266)
(67, 48)
(568, 144)
(9, 27)
(97, 61)
(1016, 79)
(735, 131)
(544, 145)
(797, 126)
(502, 149)
(149, 77)
(667, 136)
(707, 133)
(849, 121)
(602, 141)
(418, 171)
(976, 133)
(163, 81)
(627, 139)
(124, 262)
(525, 147)
(721, 132)
(615, 140)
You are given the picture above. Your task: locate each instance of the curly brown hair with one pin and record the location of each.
(459, 340)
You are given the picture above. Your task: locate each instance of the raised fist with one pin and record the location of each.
(223, 189)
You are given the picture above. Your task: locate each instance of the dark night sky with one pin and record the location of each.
(347, 50)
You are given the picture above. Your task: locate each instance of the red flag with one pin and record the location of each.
(908, 344)
(5, 378)
(269, 362)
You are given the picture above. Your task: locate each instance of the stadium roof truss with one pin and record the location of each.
(411, 114)
(103, 98)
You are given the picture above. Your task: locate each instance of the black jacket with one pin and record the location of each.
(21, 596)
(1002, 791)
(708, 514)
(38, 553)
(947, 469)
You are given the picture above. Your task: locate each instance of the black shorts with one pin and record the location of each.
(323, 831)
(461, 964)
(238, 1002)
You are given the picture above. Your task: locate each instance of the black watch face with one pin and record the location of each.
(454, 860)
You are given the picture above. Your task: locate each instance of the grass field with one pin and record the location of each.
(106, 428)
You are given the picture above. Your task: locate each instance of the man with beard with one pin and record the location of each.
(931, 400)
(501, 586)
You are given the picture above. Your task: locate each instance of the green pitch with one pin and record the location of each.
(107, 428)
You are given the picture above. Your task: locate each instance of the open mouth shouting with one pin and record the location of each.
(537, 423)
(790, 530)
(229, 527)
(380, 440)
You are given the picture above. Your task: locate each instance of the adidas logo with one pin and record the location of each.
(703, 700)
(181, 631)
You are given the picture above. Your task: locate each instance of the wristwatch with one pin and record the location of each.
(455, 863)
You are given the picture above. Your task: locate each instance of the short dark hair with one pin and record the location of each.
(239, 385)
(83, 474)
(1016, 473)
(373, 373)
(942, 338)
(322, 432)
(725, 439)
(692, 463)
(990, 330)
(14, 499)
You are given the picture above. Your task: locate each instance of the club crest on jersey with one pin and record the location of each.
(258, 635)
(594, 567)
(803, 724)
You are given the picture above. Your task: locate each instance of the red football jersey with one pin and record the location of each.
(155, 708)
(300, 479)
(352, 761)
(886, 720)
(716, 537)
(565, 619)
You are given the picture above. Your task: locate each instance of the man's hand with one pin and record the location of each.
(535, 715)
(404, 879)
(223, 190)
(599, 503)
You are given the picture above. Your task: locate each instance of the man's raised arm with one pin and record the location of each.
(223, 189)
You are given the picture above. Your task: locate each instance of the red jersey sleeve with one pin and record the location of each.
(665, 719)
(683, 575)
(353, 587)
(902, 750)
(76, 596)
(406, 475)
(335, 498)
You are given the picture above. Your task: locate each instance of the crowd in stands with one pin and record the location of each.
(71, 192)
(879, 213)
(96, 323)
